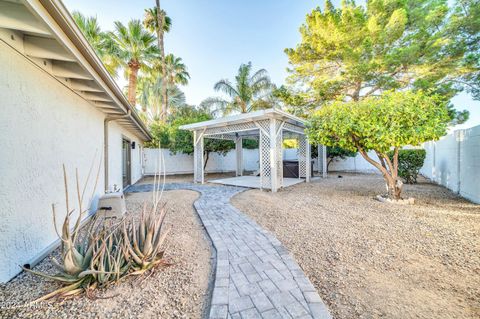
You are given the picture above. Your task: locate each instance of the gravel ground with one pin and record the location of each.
(378, 260)
(178, 291)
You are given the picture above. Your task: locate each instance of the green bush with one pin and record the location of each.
(409, 163)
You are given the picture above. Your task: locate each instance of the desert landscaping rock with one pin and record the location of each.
(378, 260)
(178, 291)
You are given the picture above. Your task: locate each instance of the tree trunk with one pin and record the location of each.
(132, 82)
(394, 187)
(388, 170)
(330, 160)
(161, 47)
(207, 155)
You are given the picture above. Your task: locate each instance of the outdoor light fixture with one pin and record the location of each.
(133, 145)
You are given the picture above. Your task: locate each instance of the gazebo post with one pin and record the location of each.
(304, 158)
(308, 159)
(198, 160)
(273, 156)
(239, 155)
(324, 159)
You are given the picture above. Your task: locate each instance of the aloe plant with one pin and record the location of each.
(108, 250)
(145, 239)
(94, 260)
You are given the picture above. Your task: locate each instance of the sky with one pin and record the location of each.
(214, 37)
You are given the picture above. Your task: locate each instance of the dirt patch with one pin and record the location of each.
(178, 291)
(370, 259)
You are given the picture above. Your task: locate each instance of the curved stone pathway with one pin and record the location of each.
(255, 276)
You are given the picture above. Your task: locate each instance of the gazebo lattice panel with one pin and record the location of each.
(234, 128)
(264, 149)
(279, 150)
(302, 155)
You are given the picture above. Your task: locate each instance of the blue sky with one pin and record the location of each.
(214, 37)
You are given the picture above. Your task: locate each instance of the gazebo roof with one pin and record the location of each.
(251, 117)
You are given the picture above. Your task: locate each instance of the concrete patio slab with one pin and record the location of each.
(252, 181)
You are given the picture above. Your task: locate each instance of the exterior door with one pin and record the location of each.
(126, 163)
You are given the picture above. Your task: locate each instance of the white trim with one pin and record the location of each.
(246, 117)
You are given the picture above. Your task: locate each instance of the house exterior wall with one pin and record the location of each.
(43, 125)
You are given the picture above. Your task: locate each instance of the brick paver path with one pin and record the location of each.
(255, 276)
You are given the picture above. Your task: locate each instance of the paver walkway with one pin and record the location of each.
(255, 275)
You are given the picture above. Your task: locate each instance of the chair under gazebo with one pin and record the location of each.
(269, 127)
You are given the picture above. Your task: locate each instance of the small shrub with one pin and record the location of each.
(409, 164)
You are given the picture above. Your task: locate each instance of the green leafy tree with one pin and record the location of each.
(355, 51)
(134, 48)
(381, 124)
(464, 28)
(250, 92)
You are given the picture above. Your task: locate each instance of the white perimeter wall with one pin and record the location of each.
(183, 164)
(42, 126)
(454, 162)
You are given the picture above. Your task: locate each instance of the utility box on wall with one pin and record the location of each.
(112, 205)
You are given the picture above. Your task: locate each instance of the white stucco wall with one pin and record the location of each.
(183, 164)
(454, 162)
(115, 136)
(42, 126)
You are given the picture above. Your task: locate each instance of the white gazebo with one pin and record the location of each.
(269, 127)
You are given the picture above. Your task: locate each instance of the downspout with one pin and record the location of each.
(105, 142)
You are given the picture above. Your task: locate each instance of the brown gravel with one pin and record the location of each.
(178, 291)
(377, 260)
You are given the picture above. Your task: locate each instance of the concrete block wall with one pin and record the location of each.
(454, 162)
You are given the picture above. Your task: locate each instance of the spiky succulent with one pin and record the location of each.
(108, 250)
(145, 239)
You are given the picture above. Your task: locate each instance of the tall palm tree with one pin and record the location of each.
(98, 40)
(248, 93)
(150, 20)
(161, 26)
(135, 48)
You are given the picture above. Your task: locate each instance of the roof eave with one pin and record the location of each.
(62, 17)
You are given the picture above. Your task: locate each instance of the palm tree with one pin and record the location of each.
(176, 70)
(151, 23)
(150, 90)
(249, 93)
(135, 48)
(97, 39)
(161, 25)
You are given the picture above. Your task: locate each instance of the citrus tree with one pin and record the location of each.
(384, 123)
